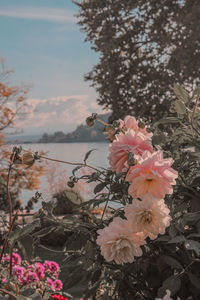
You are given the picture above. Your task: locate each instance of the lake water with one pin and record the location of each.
(73, 152)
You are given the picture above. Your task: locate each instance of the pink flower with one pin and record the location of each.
(50, 283)
(4, 280)
(131, 123)
(30, 277)
(52, 266)
(152, 175)
(16, 259)
(39, 269)
(18, 272)
(150, 216)
(58, 284)
(131, 141)
(118, 242)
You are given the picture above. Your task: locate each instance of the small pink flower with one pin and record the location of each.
(18, 272)
(124, 143)
(30, 277)
(131, 123)
(150, 216)
(152, 175)
(16, 259)
(52, 266)
(4, 280)
(50, 283)
(118, 242)
(39, 269)
(58, 284)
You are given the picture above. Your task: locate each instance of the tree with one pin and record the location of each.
(144, 46)
(12, 104)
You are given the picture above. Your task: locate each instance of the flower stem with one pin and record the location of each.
(8, 293)
(8, 189)
(6, 239)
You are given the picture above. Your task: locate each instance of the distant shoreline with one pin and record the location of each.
(36, 142)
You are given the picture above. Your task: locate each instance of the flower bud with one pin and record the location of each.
(148, 130)
(90, 121)
(131, 160)
(141, 125)
(110, 131)
(70, 184)
(28, 158)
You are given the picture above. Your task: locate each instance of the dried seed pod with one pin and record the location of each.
(28, 158)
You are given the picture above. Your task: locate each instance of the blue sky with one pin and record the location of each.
(41, 41)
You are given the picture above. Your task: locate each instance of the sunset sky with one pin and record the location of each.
(41, 41)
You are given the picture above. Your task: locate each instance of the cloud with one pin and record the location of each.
(62, 113)
(39, 13)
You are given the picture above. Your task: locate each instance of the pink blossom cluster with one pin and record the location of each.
(36, 274)
(151, 177)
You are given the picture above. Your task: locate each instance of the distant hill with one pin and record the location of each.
(82, 133)
(22, 139)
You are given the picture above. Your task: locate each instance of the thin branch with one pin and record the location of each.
(8, 293)
(8, 189)
(70, 163)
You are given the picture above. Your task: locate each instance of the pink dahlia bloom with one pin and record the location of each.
(125, 143)
(58, 284)
(16, 259)
(18, 272)
(152, 175)
(118, 242)
(150, 216)
(131, 123)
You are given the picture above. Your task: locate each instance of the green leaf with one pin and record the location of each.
(181, 93)
(169, 120)
(180, 107)
(177, 239)
(49, 206)
(193, 245)
(95, 276)
(99, 187)
(163, 238)
(22, 232)
(194, 280)
(76, 169)
(26, 245)
(158, 138)
(72, 197)
(87, 155)
(172, 283)
(171, 261)
(191, 218)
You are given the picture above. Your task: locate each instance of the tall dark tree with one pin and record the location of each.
(145, 47)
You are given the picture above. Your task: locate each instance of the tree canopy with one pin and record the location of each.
(145, 47)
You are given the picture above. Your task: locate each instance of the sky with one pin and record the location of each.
(41, 41)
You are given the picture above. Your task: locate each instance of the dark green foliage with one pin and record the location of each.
(144, 47)
(169, 262)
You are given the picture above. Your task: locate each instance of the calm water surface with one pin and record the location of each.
(73, 152)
